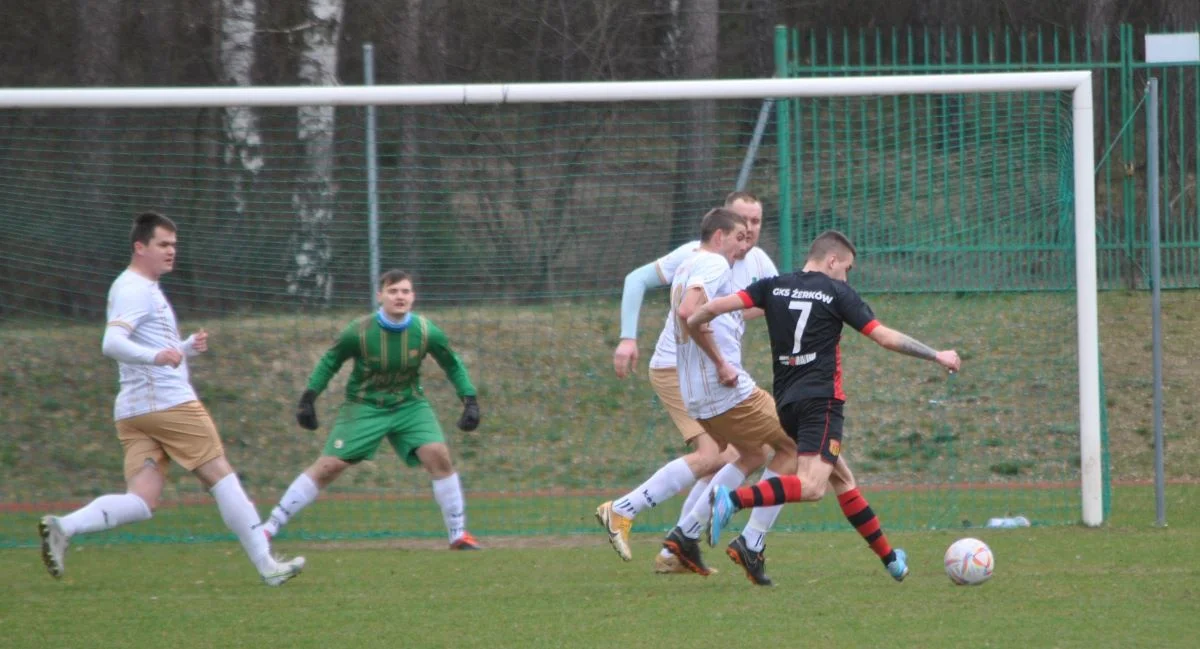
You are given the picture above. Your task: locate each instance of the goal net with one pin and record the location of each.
(520, 209)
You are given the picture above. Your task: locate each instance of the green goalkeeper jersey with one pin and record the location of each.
(387, 364)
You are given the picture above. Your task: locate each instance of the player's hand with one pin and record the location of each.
(200, 341)
(625, 357)
(306, 411)
(948, 359)
(470, 416)
(172, 357)
(727, 374)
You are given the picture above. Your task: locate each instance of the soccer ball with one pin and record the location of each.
(969, 562)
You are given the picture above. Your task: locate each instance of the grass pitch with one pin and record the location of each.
(1128, 584)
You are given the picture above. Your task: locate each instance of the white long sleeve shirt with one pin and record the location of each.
(141, 323)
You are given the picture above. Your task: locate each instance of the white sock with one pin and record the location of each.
(666, 482)
(729, 476)
(242, 519)
(302, 493)
(700, 489)
(761, 520)
(449, 496)
(105, 513)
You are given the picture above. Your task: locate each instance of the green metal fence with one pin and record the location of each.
(1120, 74)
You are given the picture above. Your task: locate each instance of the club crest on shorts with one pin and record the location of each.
(835, 448)
(337, 443)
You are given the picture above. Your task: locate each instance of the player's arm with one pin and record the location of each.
(343, 349)
(125, 313)
(708, 311)
(450, 362)
(902, 343)
(694, 300)
(637, 282)
(195, 344)
(855, 312)
(456, 371)
(118, 346)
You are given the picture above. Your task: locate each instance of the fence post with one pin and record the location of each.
(1128, 182)
(372, 178)
(782, 124)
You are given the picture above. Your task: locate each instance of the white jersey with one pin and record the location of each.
(138, 304)
(755, 266)
(702, 393)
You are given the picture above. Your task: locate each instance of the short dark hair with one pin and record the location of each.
(829, 242)
(721, 219)
(392, 276)
(734, 197)
(145, 224)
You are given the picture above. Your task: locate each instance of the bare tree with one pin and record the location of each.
(695, 185)
(243, 139)
(761, 37)
(97, 63)
(311, 277)
(670, 39)
(409, 48)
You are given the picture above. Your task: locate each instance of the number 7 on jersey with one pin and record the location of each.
(805, 308)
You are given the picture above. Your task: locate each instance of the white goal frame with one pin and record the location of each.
(1079, 82)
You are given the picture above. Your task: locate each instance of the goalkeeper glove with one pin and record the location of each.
(470, 416)
(306, 411)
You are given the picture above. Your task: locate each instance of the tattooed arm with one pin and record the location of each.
(902, 343)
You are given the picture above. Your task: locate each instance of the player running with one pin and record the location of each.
(696, 468)
(158, 415)
(805, 312)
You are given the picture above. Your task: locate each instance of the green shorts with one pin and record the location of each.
(360, 428)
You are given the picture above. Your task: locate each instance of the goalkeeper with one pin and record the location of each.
(384, 399)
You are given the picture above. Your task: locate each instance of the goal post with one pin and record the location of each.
(480, 321)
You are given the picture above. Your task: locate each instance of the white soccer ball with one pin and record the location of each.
(969, 562)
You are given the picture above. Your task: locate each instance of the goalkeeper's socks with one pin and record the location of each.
(769, 492)
(448, 494)
(105, 513)
(300, 494)
(859, 513)
(666, 482)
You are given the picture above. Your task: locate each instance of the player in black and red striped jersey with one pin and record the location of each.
(805, 313)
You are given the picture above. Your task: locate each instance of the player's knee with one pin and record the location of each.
(325, 470)
(814, 489)
(750, 459)
(435, 458)
(707, 457)
(784, 463)
(841, 484)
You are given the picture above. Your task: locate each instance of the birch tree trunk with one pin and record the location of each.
(670, 39)
(243, 140)
(311, 277)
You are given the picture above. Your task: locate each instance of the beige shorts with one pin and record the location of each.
(184, 433)
(666, 385)
(752, 422)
